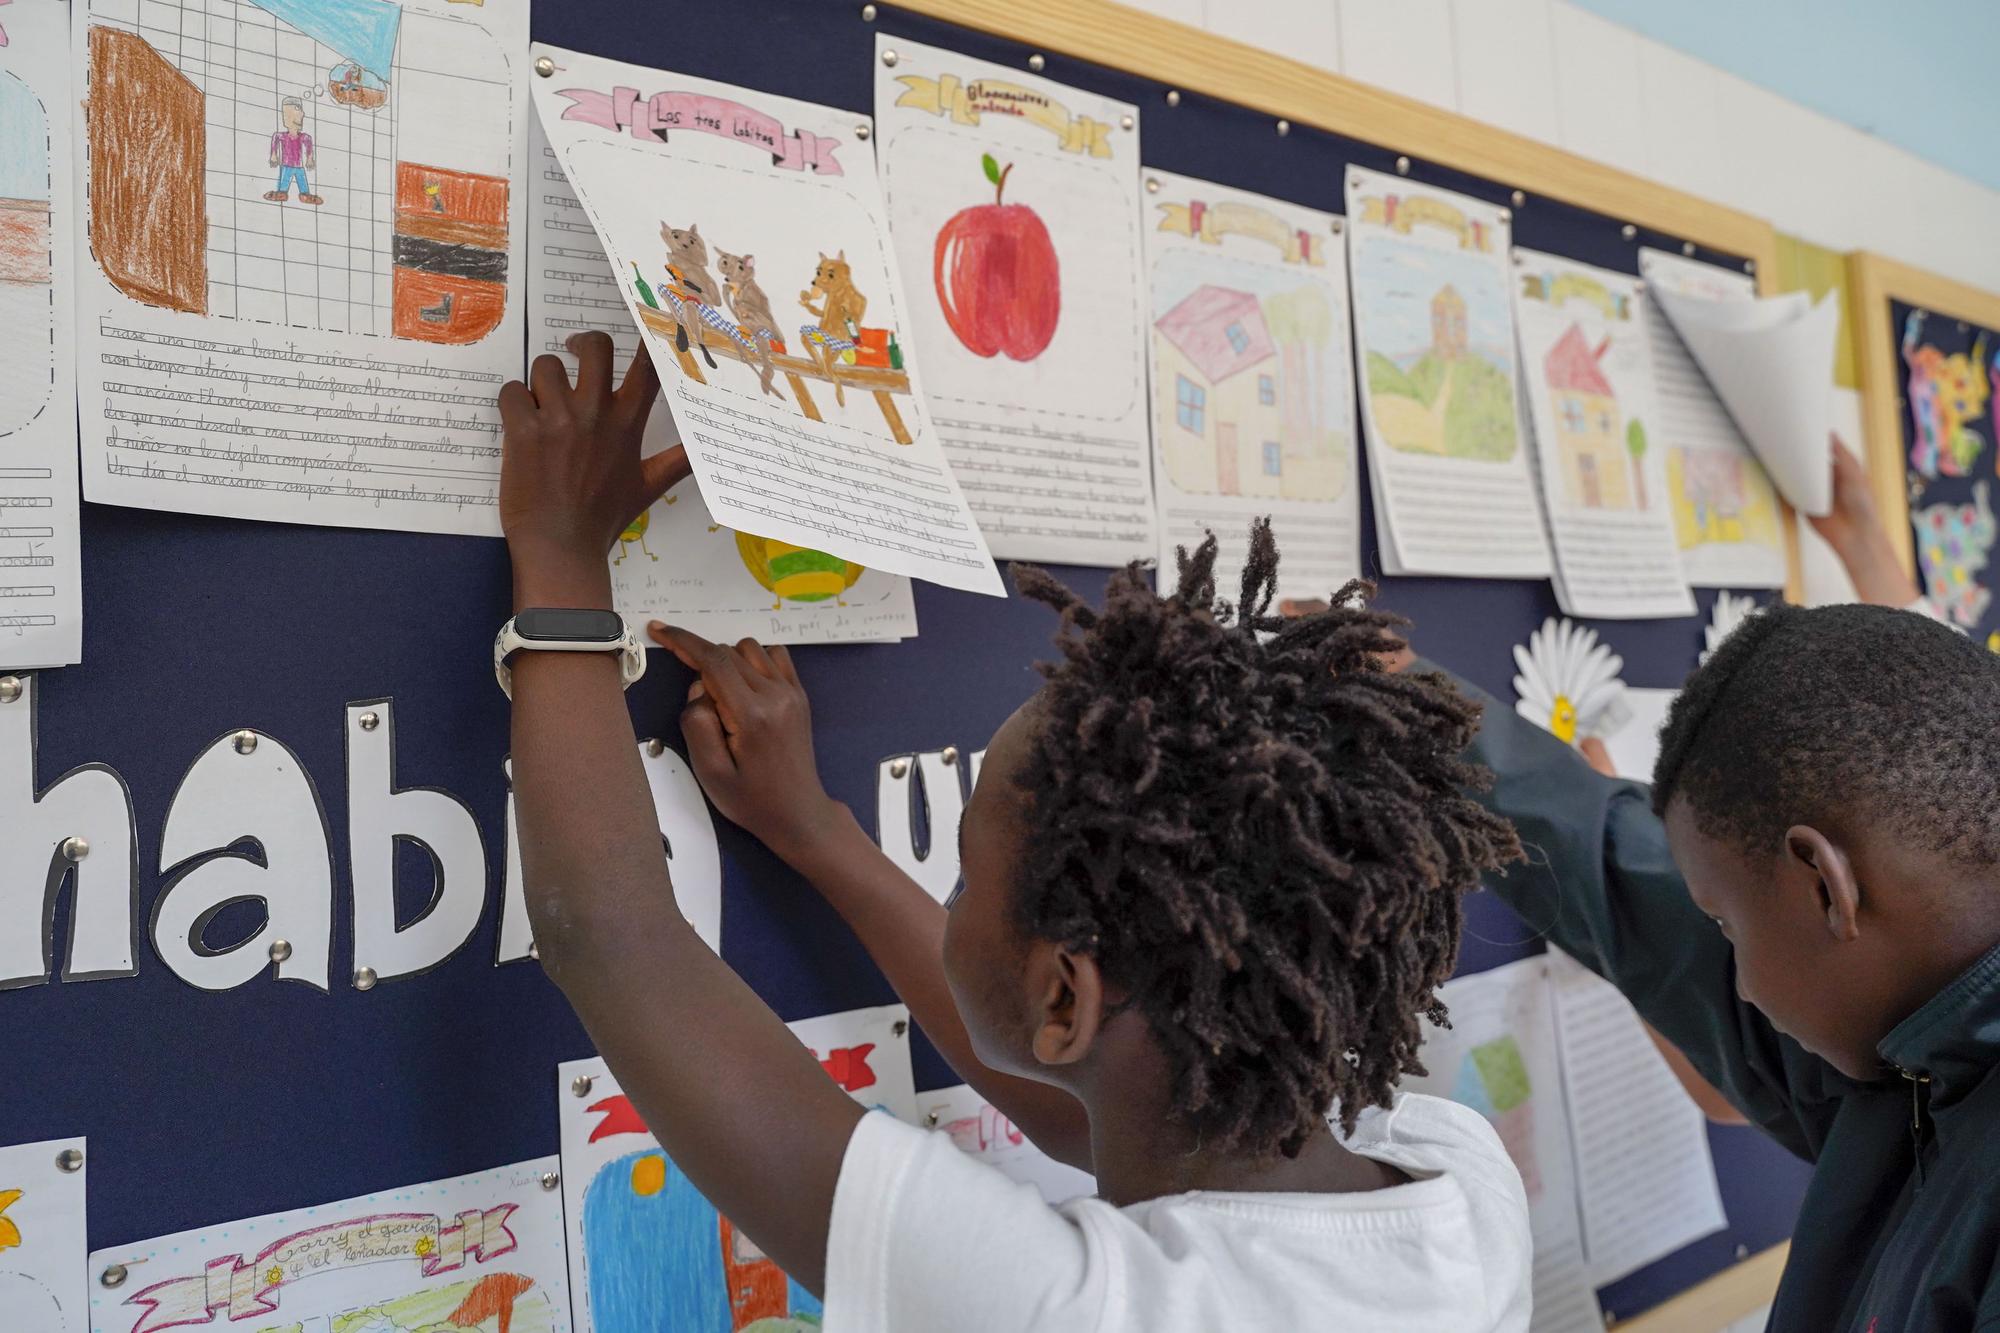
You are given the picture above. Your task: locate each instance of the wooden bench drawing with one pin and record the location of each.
(881, 381)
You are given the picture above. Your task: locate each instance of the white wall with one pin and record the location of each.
(1553, 71)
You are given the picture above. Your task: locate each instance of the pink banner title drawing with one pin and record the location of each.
(656, 116)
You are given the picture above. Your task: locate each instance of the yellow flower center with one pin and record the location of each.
(1562, 721)
(273, 1276)
(649, 1176)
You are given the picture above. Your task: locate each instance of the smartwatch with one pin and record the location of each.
(552, 630)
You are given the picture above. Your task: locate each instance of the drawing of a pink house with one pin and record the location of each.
(1590, 431)
(1217, 358)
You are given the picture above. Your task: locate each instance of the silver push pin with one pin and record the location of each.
(75, 848)
(112, 1276)
(948, 755)
(1284, 128)
(1629, 232)
(899, 1027)
(1152, 185)
(550, 1180)
(364, 978)
(69, 1161)
(1519, 197)
(867, 13)
(1173, 97)
(656, 747)
(899, 768)
(10, 689)
(1687, 248)
(280, 950)
(544, 66)
(862, 131)
(1036, 63)
(1402, 166)
(1126, 122)
(890, 58)
(580, 1085)
(246, 742)
(369, 721)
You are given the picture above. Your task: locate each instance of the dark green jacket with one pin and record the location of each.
(1900, 1230)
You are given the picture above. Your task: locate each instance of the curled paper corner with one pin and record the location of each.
(1770, 361)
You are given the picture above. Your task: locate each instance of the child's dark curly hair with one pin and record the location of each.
(1259, 833)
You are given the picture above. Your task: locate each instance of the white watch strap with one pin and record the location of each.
(631, 653)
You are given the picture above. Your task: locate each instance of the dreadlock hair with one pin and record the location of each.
(1836, 715)
(1256, 831)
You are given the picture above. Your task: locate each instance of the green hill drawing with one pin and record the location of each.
(1458, 408)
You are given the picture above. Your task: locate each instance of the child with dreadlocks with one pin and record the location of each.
(1213, 872)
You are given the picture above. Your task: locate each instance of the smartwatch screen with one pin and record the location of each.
(555, 625)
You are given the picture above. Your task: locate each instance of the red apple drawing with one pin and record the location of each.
(997, 277)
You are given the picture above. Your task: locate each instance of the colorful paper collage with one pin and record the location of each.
(1951, 422)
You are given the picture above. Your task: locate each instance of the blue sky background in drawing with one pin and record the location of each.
(1394, 281)
(24, 157)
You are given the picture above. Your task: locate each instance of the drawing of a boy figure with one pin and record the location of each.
(292, 155)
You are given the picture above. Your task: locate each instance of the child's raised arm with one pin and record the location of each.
(743, 1109)
(749, 735)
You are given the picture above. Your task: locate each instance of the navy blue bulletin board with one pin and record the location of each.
(204, 1107)
(1948, 391)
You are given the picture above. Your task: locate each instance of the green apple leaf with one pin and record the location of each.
(992, 167)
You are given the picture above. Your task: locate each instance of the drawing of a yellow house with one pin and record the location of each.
(1590, 430)
(1238, 399)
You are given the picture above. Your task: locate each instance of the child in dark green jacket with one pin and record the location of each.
(1807, 904)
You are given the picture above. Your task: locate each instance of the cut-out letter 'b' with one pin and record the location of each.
(379, 815)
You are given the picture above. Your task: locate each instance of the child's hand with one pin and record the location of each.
(571, 477)
(1853, 528)
(749, 736)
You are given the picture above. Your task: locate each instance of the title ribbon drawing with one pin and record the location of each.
(1558, 289)
(241, 1290)
(1400, 214)
(965, 103)
(663, 113)
(1211, 222)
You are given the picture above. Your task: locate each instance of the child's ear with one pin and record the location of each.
(1071, 1006)
(1839, 893)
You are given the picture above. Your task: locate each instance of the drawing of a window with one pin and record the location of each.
(1239, 341)
(1274, 459)
(1267, 391)
(1190, 404)
(27, 295)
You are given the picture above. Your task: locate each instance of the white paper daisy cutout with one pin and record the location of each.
(1568, 683)
(1731, 610)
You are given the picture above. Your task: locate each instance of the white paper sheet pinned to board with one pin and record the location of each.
(41, 579)
(752, 247)
(1771, 362)
(1644, 1177)
(1501, 1057)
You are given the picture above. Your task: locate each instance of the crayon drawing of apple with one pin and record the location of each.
(996, 274)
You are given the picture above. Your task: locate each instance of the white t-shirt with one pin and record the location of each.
(926, 1240)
